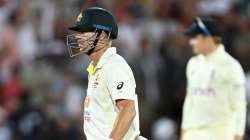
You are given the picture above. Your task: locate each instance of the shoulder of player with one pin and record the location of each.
(230, 62)
(117, 67)
(115, 63)
(193, 60)
(231, 65)
(191, 64)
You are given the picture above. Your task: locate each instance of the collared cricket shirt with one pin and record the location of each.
(112, 79)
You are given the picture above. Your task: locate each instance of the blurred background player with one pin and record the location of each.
(215, 103)
(111, 106)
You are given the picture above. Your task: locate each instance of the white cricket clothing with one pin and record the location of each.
(214, 133)
(215, 93)
(110, 80)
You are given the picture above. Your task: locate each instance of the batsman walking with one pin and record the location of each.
(111, 106)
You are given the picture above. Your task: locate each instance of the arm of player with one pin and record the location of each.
(238, 101)
(124, 119)
(122, 90)
(187, 103)
(238, 137)
(185, 114)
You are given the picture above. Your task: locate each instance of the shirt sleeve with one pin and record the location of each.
(238, 98)
(186, 110)
(120, 83)
(187, 101)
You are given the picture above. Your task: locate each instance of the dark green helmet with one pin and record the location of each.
(96, 18)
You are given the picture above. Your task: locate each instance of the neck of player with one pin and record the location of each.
(98, 52)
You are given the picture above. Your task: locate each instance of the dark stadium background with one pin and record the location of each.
(42, 89)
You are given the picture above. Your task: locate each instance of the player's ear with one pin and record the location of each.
(103, 35)
(203, 38)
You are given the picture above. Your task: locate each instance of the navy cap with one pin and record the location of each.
(207, 27)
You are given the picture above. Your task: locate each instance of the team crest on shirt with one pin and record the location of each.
(212, 74)
(96, 83)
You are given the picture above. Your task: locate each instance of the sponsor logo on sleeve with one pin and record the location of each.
(120, 85)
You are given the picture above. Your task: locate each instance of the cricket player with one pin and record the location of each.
(111, 106)
(215, 104)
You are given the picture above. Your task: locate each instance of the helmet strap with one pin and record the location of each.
(94, 43)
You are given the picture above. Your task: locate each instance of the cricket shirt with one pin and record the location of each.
(112, 79)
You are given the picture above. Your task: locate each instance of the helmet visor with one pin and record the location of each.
(78, 43)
